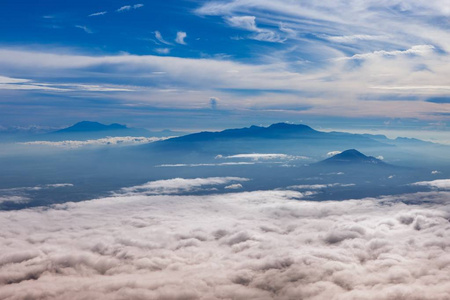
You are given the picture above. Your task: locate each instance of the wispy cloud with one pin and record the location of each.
(354, 38)
(415, 50)
(124, 8)
(98, 14)
(23, 194)
(249, 23)
(129, 7)
(159, 37)
(8, 83)
(84, 28)
(378, 74)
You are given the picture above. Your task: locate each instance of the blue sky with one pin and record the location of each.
(217, 64)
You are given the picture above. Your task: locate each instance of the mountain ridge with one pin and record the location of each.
(89, 126)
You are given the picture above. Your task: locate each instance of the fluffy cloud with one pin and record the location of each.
(258, 245)
(179, 185)
(234, 186)
(443, 184)
(181, 35)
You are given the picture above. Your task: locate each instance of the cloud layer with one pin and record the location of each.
(119, 140)
(258, 245)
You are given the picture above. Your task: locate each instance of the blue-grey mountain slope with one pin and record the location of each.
(353, 156)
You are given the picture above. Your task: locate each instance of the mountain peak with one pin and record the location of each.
(352, 156)
(289, 126)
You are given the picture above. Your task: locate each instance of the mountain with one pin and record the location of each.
(86, 130)
(87, 126)
(275, 131)
(352, 156)
(286, 138)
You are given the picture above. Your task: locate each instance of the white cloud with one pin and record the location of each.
(249, 23)
(289, 31)
(9, 80)
(238, 163)
(262, 156)
(21, 194)
(319, 186)
(435, 172)
(259, 245)
(37, 187)
(244, 22)
(101, 13)
(354, 38)
(179, 185)
(7, 83)
(416, 50)
(204, 77)
(443, 184)
(129, 7)
(380, 157)
(13, 199)
(371, 41)
(333, 153)
(124, 8)
(234, 186)
(181, 35)
(108, 141)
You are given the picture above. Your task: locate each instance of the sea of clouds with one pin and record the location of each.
(248, 245)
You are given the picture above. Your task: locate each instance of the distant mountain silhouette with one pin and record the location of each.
(94, 130)
(279, 130)
(352, 156)
(87, 126)
(276, 138)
